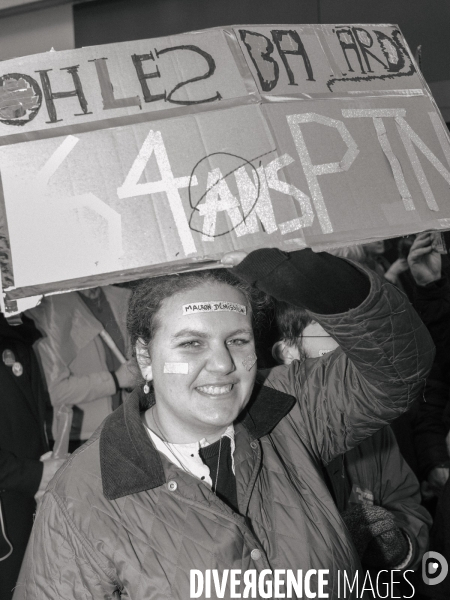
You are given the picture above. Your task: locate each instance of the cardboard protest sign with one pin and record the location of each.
(154, 156)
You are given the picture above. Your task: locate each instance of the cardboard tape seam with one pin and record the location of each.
(241, 63)
(376, 93)
(334, 67)
(341, 95)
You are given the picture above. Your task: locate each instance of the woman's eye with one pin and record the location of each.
(190, 344)
(238, 342)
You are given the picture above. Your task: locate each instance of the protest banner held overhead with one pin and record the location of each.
(148, 157)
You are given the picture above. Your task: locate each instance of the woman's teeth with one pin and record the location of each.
(216, 390)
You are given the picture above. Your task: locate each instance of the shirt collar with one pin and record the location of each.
(187, 456)
(129, 461)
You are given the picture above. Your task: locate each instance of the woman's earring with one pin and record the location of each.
(146, 388)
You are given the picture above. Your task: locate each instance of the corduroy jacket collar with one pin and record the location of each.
(130, 463)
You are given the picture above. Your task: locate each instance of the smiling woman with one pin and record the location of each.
(211, 466)
(176, 321)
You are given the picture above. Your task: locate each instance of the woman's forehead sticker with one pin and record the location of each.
(213, 306)
(179, 368)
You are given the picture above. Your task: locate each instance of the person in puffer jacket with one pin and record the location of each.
(207, 468)
(375, 491)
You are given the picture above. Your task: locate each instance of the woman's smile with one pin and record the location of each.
(215, 390)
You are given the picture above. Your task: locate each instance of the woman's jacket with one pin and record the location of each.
(120, 520)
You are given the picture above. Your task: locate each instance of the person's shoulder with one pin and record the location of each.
(74, 502)
(264, 376)
(286, 378)
(61, 304)
(79, 479)
(281, 377)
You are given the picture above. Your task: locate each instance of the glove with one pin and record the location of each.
(379, 542)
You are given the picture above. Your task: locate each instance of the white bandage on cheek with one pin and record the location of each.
(249, 361)
(178, 368)
(214, 306)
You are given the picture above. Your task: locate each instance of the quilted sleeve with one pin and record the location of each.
(380, 369)
(60, 562)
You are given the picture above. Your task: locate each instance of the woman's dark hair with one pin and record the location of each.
(291, 322)
(149, 294)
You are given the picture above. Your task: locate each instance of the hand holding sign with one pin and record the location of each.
(232, 259)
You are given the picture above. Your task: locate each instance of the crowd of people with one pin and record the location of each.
(288, 411)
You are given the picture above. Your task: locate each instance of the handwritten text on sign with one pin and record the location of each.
(180, 194)
(72, 87)
(151, 156)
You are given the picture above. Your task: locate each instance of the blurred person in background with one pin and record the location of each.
(375, 259)
(432, 424)
(26, 466)
(432, 301)
(375, 491)
(372, 256)
(81, 370)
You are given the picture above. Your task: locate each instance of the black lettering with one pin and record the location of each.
(138, 59)
(392, 49)
(107, 88)
(277, 35)
(365, 41)
(211, 68)
(399, 63)
(347, 41)
(260, 49)
(50, 96)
